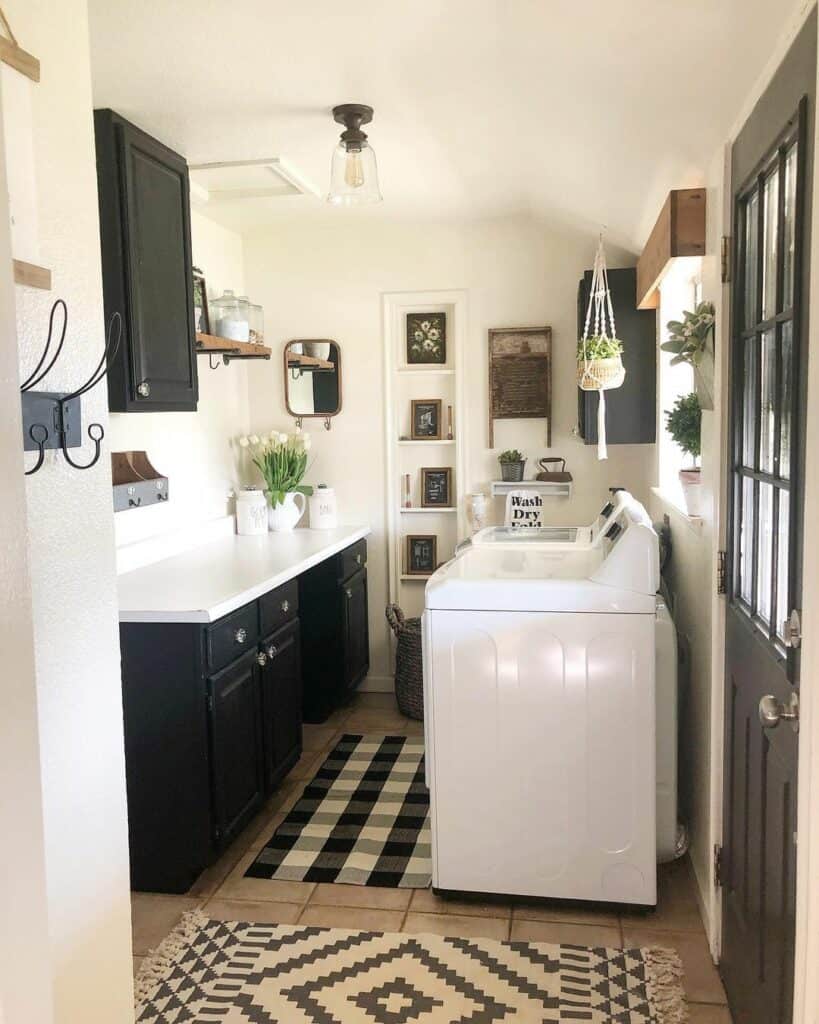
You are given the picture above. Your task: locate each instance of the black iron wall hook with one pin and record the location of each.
(53, 420)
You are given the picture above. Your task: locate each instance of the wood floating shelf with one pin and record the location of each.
(211, 344)
(296, 361)
(548, 488)
(679, 231)
(31, 275)
(16, 57)
(427, 508)
(413, 578)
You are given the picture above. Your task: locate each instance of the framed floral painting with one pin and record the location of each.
(426, 338)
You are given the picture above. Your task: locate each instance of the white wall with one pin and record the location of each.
(193, 449)
(71, 558)
(322, 276)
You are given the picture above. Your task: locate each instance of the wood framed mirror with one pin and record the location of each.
(312, 379)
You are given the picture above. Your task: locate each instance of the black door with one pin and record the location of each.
(355, 631)
(236, 746)
(281, 702)
(772, 170)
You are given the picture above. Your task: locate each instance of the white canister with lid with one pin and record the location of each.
(251, 512)
(323, 509)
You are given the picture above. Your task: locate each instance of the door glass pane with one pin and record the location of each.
(745, 528)
(767, 411)
(782, 574)
(751, 236)
(770, 193)
(788, 232)
(749, 403)
(764, 569)
(786, 391)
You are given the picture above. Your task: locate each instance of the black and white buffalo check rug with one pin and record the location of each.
(363, 819)
(236, 973)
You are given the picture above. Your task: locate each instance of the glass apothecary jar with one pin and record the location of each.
(229, 315)
(255, 316)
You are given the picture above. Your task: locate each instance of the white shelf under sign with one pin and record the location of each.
(544, 487)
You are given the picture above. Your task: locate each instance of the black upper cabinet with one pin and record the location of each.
(631, 410)
(145, 236)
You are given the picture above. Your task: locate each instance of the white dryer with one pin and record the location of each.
(539, 687)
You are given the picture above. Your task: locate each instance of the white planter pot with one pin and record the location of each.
(692, 490)
(283, 518)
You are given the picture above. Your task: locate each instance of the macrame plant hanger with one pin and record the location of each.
(594, 374)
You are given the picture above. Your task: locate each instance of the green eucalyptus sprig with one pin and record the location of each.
(282, 461)
(688, 338)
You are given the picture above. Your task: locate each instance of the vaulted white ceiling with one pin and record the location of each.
(585, 111)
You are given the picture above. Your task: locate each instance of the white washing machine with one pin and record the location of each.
(539, 686)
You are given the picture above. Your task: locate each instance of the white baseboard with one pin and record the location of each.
(378, 684)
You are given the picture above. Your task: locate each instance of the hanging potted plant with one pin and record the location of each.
(511, 464)
(684, 422)
(282, 461)
(599, 363)
(688, 341)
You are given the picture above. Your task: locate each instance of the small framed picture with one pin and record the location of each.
(426, 419)
(426, 338)
(422, 554)
(201, 314)
(436, 487)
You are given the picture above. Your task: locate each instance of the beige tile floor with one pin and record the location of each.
(223, 892)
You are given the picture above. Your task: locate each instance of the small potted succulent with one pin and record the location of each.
(688, 342)
(683, 422)
(511, 464)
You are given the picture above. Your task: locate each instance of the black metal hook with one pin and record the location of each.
(40, 445)
(36, 375)
(96, 438)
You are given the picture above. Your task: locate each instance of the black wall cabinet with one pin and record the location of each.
(631, 410)
(335, 631)
(145, 237)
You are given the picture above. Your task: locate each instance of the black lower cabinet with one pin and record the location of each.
(236, 747)
(281, 703)
(335, 631)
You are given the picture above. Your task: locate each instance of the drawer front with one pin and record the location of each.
(279, 606)
(352, 559)
(231, 636)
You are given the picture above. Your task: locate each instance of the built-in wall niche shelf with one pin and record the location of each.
(421, 444)
(136, 483)
(212, 345)
(548, 488)
(31, 275)
(431, 371)
(415, 510)
(407, 578)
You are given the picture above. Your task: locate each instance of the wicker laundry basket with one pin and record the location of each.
(409, 663)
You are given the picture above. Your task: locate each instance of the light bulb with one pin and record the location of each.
(354, 170)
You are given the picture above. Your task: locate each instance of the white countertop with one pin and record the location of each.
(207, 582)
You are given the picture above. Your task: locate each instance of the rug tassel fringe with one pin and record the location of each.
(664, 973)
(159, 962)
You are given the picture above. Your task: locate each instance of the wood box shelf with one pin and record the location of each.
(212, 344)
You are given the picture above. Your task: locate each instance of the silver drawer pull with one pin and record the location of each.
(358, 559)
(285, 607)
(261, 659)
(240, 635)
(349, 593)
(272, 651)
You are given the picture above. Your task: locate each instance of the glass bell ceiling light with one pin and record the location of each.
(353, 172)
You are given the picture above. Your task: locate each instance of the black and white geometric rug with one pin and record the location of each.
(239, 973)
(363, 819)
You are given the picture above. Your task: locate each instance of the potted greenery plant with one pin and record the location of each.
(688, 341)
(599, 363)
(684, 422)
(282, 461)
(511, 464)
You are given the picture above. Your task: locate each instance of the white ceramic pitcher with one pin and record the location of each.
(283, 518)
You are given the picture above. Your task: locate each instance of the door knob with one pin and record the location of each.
(285, 607)
(144, 389)
(792, 630)
(261, 659)
(772, 711)
(240, 635)
(271, 651)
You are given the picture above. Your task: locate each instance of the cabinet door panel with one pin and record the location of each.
(355, 629)
(159, 271)
(281, 702)
(236, 746)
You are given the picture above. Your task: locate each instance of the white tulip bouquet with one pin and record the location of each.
(282, 461)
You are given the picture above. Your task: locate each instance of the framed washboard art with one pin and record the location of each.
(520, 376)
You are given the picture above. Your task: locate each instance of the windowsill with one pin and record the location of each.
(674, 503)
